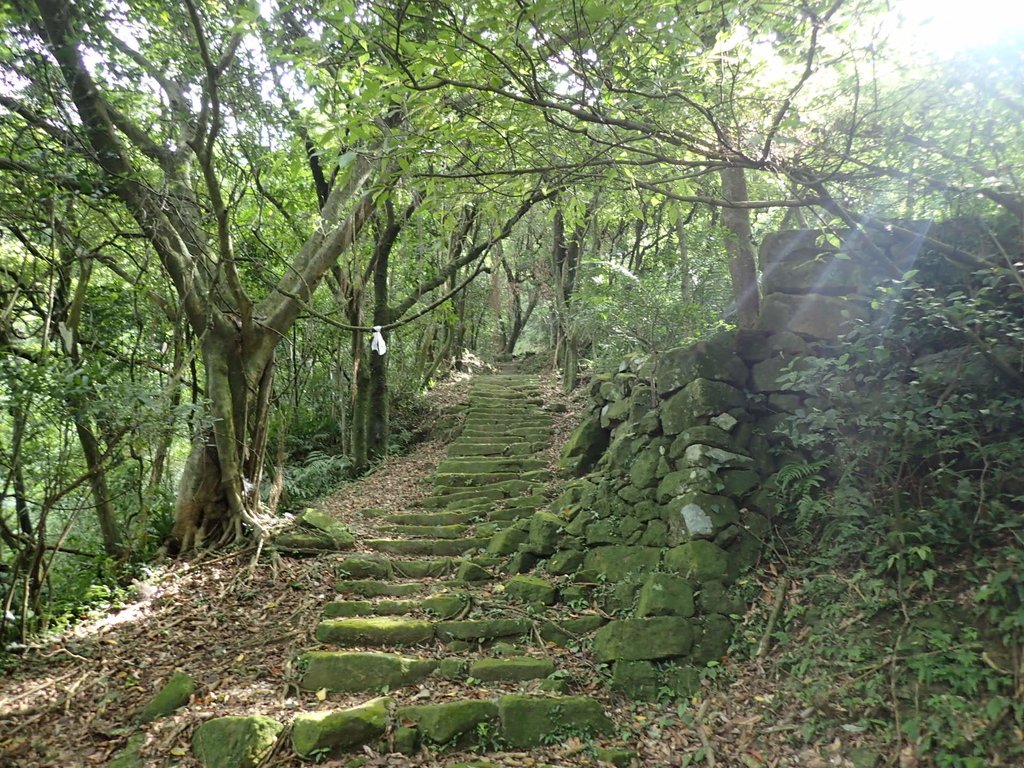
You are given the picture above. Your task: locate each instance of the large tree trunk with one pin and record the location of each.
(740, 247)
(218, 496)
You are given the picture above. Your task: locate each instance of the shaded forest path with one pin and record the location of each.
(433, 614)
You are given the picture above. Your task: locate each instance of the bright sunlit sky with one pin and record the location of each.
(946, 27)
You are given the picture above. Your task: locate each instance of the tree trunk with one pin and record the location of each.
(218, 496)
(740, 247)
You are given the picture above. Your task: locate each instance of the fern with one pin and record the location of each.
(799, 485)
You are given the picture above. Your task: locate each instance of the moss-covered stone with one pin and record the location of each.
(528, 721)
(363, 567)
(507, 541)
(701, 398)
(404, 740)
(713, 636)
(456, 531)
(235, 742)
(615, 412)
(375, 630)
(453, 668)
(664, 594)
(425, 546)
(565, 561)
(545, 533)
(358, 671)
(447, 605)
(713, 358)
(175, 693)
(715, 597)
(376, 588)
(699, 561)
(445, 723)
(471, 573)
(481, 629)
(603, 532)
(331, 732)
(569, 631)
(811, 314)
(655, 534)
(614, 563)
(644, 472)
(345, 609)
(699, 516)
(684, 681)
(531, 589)
(705, 434)
(639, 680)
(308, 542)
(585, 446)
(737, 483)
(317, 520)
(511, 669)
(130, 755)
(700, 455)
(620, 758)
(658, 637)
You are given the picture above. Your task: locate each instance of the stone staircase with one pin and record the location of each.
(436, 623)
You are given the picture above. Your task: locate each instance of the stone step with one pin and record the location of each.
(434, 518)
(425, 546)
(357, 671)
(511, 434)
(475, 480)
(361, 671)
(442, 605)
(456, 531)
(378, 588)
(501, 464)
(404, 631)
(375, 631)
(481, 447)
(443, 494)
(519, 721)
(373, 566)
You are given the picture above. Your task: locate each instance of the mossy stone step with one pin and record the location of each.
(511, 514)
(502, 423)
(568, 632)
(513, 669)
(445, 605)
(507, 487)
(451, 723)
(454, 480)
(492, 448)
(375, 630)
(456, 531)
(346, 609)
(481, 629)
(330, 732)
(529, 721)
(378, 588)
(445, 494)
(368, 566)
(537, 439)
(353, 671)
(464, 466)
(432, 518)
(425, 546)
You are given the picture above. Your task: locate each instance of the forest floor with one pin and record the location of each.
(235, 623)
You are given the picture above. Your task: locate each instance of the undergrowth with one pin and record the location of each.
(905, 533)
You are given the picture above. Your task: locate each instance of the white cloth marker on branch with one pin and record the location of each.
(377, 343)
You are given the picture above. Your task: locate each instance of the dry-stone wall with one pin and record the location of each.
(670, 507)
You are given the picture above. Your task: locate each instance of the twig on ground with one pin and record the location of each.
(780, 597)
